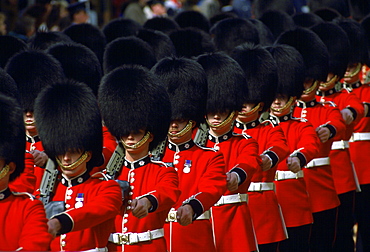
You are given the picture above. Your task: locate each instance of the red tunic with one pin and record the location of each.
(92, 205)
(233, 227)
(160, 184)
(265, 210)
(202, 179)
(343, 172)
(26, 180)
(34, 143)
(292, 193)
(358, 148)
(22, 223)
(319, 179)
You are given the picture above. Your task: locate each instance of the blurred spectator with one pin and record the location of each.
(25, 27)
(78, 13)
(135, 11)
(2, 24)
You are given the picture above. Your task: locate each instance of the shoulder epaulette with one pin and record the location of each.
(161, 163)
(266, 118)
(206, 148)
(24, 193)
(330, 103)
(245, 135)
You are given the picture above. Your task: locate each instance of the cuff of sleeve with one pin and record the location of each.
(332, 129)
(154, 202)
(272, 155)
(197, 208)
(368, 112)
(354, 113)
(241, 173)
(65, 222)
(302, 159)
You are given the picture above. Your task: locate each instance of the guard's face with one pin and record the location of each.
(247, 115)
(176, 126)
(352, 74)
(281, 103)
(73, 163)
(29, 122)
(216, 122)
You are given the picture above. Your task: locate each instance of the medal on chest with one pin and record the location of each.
(79, 200)
(187, 166)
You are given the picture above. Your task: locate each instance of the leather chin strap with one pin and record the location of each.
(355, 72)
(182, 132)
(288, 104)
(4, 171)
(225, 122)
(252, 111)
(138, 144)
(75, 164)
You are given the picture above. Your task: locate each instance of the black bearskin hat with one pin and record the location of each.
(32, 71)
(128, 50)
(191, 42)
(226, 83)
(186, 84)
(262, 6)
(356, 37)
(78, 63)
(291, 70)
(326, 13)
(278, 22)
(90, 36)
(9, 46)
(12, 140)
(120, 27)
(43, 40)
(264, 34)
(191, 18)
(307, 20)
(231, 32)
(260, 71)
(161, 43)
(329, 9)
(365, 23)
(68, 119)
(163, 24)
(313, 50)
(131, 98)
(337, 43)
(8, 85)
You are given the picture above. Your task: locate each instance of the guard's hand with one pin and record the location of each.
(266, 163)
(366, 109)
(54, 227)
(347, 115)
(140, 207)
(39, 157)
(294, 164)
(232, 181)
(185, 215)
(323, 133)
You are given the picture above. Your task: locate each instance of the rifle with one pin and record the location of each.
(157, 152)
(47, 185)
(115, 162)
(201, 135)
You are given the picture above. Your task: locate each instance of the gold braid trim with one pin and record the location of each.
(225, 122)
(357, 70)
(74, 165)
(252, 111)
(138, 144)
(311, 89)
(4, 171)
(330, 82)
(182, 132)
(288, 104)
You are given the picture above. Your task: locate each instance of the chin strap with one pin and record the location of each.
(75, 164)
(182, 132)
(138, 144)
(4, 171)
(225, 122)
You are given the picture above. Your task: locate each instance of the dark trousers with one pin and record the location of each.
(298, 239)
(323, 230)
(269, 247)
(362, 213)
(344, 235)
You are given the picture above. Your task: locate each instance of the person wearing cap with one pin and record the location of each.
(328, 123)
(344, 175)
(77, 13)
(202, 180)
(360, 140)
(71, 133)
(24, 224)
(231, 217)
(303, 144)
(33, 70)
(141, 124)
(261, 84)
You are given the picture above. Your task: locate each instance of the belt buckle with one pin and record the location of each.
(172, 216)
(239, 198)
(124, 239)
(343, 146)
(150, 235)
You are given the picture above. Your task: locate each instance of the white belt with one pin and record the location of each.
(172, 216)
(232, 199)
(318, 162)
(340, 145)
(132, 238)
(97, 250)
(283, 175)
(261, 186)
(360, 136)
